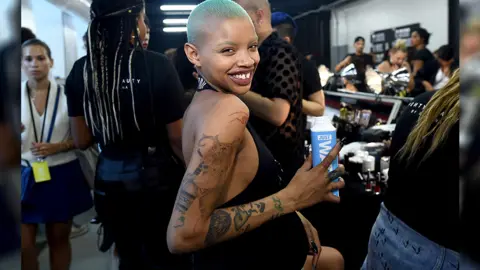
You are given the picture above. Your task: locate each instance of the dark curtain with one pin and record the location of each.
(161, 41)
(313, 36)
(454, 25)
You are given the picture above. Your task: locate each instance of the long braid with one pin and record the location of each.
(109, 35)
(116, 80)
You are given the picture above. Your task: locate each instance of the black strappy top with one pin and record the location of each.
(278, 244)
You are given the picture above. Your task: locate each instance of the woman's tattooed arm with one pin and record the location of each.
(196, 221)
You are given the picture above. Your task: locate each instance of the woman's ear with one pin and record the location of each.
(192, 54)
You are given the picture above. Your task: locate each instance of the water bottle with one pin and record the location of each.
(324, 138)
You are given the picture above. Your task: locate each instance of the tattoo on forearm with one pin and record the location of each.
(278, 204)
(243, 213)
(220, 224)
(241, 117)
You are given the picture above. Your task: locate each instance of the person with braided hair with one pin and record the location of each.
(129, 101)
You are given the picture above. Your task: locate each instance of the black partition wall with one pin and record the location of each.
(454, 24)
(313, 36)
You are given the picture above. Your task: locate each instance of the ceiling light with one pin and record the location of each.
(177, 7)
(86, 2)
(174, 29)
(175, 21)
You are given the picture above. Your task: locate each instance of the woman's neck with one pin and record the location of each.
(40, 85)
(212, 86)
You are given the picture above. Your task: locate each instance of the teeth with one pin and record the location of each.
(242, 76)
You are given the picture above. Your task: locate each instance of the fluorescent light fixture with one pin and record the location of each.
(177, 7)
(86, 2)
(175, 21)
(175, 29)
(179, 13)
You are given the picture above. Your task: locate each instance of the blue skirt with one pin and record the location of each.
(57, 200)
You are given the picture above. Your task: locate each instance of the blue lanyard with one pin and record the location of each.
(54, 115)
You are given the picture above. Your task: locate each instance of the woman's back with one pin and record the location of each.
(154, 101)
(425, 194)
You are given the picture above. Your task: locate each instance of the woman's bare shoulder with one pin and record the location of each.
(217, 114)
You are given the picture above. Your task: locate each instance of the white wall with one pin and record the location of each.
(49, 28)
(61, 25)
(6, 9)
(27, 15)
(363, 17)
(81, 27)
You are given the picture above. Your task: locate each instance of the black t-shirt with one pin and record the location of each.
(361, 62)
(279, 76)
(425, 195)
(311, 78)
(162, 104)
(423, 55)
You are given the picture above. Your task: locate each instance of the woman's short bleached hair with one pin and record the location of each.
(200, 17)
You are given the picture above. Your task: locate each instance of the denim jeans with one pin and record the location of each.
(394, 245)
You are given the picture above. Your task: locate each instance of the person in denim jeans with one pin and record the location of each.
(418, 223)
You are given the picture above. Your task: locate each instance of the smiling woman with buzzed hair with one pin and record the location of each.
(231, 210)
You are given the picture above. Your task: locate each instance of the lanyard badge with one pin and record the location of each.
(41, 171)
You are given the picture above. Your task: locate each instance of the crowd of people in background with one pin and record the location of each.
(177, 130)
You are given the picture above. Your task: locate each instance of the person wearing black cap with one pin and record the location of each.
(361, 62)
(129, 101)
(313, 97)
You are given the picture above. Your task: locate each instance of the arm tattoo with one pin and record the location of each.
(278, 204)
(217, 164)
(243, 213)
(189, 190)
(241, 117)
(220, 223)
